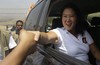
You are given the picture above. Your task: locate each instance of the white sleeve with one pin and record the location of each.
(12, 42)
(89, 38)
(58, 34)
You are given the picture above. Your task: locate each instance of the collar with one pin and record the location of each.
(65, 30)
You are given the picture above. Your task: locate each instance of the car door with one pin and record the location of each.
(36, 19)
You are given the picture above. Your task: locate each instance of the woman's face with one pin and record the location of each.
(69, 19)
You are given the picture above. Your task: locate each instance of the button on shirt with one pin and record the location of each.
(69, 44)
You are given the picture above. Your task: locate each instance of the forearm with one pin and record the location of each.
(95, 51)
(46, 38)
(97, 54)
(18, 54)
(43, 39)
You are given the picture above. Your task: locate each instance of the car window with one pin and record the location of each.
(36, 19)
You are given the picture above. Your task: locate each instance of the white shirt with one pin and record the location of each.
(12, 42)
(75, 47)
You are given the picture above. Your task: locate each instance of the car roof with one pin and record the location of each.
(86, 6)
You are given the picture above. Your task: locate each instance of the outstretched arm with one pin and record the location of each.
(17, 56)
(95, 51)
(45, 38)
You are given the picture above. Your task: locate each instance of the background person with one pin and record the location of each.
(18, 26)
(14, 34)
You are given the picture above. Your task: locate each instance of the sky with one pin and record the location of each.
(14, 9)
(15, 3)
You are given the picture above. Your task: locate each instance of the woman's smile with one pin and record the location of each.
(68, 23)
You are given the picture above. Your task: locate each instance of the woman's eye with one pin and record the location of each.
(64, 16)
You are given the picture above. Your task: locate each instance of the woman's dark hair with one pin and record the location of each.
(80, 26)
(19, 21)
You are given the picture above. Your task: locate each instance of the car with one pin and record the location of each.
(45, 11)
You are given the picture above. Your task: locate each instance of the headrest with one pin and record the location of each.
(95, 21)
(56, 23)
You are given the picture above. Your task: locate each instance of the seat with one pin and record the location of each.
(95, 31)
(95, 21)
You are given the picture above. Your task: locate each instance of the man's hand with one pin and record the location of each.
(21, 51)
(37, 35)
(26, 36)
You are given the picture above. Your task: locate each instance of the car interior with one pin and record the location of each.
(53, 20)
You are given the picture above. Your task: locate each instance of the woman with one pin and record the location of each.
(73, 38)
